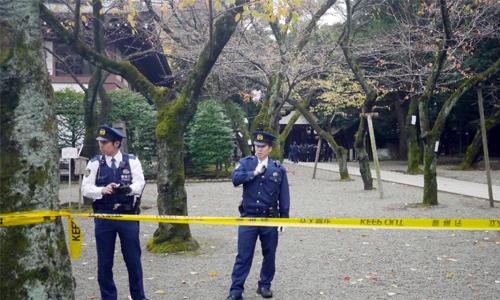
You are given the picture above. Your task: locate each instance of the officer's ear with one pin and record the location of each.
(117, 144)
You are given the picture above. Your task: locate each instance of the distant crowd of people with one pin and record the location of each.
(307, 152)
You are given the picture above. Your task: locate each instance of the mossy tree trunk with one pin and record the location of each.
(34, 260)
(363, 159)
(233, 112)
(370, 98)
(472, 152)
(413, 147)
(430, 177)
(174, 114)
(340, 151)
(95, 88)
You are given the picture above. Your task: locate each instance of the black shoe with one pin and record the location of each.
(233, 297)
(265, 292)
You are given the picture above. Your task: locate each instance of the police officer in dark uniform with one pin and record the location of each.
(115, 181)
(265, 194)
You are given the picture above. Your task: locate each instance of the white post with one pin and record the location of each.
(375, 154)
(80, 199)
(316, 159)
(69, 181)
(485, 143)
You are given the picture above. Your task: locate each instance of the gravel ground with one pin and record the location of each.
(319, 263)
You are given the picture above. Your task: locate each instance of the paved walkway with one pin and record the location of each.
(448, 185)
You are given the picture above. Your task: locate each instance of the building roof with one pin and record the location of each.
(301, 121)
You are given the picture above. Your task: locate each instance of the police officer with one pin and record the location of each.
(265, 194)
(115, 181)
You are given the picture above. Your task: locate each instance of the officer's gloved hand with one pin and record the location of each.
(261, 168)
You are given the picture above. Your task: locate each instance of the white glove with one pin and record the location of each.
(261, 168)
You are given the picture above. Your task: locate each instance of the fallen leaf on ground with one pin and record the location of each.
(160, 292)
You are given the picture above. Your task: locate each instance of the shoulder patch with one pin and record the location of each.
(87, 172)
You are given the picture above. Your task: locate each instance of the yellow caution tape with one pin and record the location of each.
(75, 239)
(76, 236)
(386, 223)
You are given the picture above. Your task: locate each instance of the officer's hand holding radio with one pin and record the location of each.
(109, 189)
(122, 189)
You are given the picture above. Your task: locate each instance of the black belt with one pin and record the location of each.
(270, 212)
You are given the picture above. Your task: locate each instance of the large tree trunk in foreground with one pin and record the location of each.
(34, 260)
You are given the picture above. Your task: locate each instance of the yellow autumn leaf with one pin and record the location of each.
(237, 18)
(84, 18)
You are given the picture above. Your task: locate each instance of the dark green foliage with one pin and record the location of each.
(69, 111)
(210, 138)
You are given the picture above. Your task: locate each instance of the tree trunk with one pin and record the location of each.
(106, 105)
(34, 260)
(474, 148)
(401, 113)
(238, 126)
(172, 198)
(90, 147)
(430, 177)
(172, 119)
(363, 160)
(413, 147)
(371, 97)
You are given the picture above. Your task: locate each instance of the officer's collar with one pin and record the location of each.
(118, 157)
(267, 160)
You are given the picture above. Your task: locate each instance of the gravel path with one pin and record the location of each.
(319, 263)
(447, 169)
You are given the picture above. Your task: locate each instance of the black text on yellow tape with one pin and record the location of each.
(386, 223)
(75, 238)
